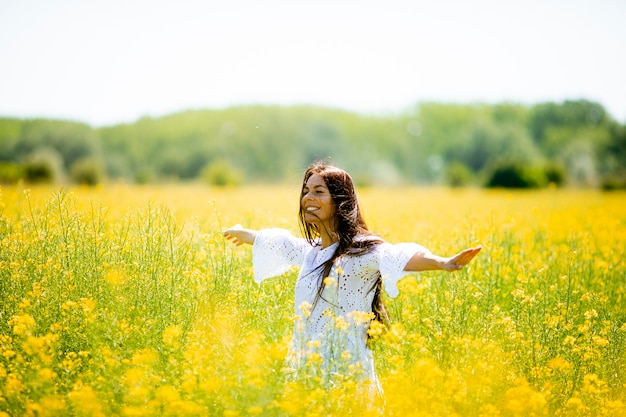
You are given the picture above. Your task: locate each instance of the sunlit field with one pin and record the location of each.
(127, 301)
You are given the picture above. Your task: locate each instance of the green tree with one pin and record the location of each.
(44, 165)
(88, 171)
(70, 140)
(221, 173)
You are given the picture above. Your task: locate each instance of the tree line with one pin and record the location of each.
(574, 142)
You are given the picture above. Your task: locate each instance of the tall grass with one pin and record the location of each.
(127, 301)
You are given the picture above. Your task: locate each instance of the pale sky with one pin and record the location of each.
(113, 61)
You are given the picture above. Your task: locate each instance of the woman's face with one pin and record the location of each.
(317, 203)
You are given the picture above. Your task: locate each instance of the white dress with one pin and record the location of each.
(330, 335)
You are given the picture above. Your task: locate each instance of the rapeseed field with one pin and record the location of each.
(127, 301)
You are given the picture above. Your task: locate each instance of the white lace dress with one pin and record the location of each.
(330, 335)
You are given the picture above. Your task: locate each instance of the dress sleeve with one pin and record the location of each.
(392, 260)
(274, 251)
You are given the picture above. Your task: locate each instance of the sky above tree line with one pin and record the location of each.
(113, 61)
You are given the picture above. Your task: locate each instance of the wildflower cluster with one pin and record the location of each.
(115, 305)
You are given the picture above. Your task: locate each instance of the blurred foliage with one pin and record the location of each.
(569, 143)
(87, 171)
(43, 165)
(513, 174)
(458, 175)
(10, 172)
(221, 174)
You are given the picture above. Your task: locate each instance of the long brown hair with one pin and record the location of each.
(354, 238)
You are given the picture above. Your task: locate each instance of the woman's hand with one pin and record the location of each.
(430, 262)
(458, 261)
(238, 235)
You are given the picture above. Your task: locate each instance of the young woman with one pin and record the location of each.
(343, 269)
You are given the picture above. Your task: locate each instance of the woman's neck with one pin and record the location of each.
(328, 239)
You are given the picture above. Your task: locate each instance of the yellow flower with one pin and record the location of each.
(376, 329)
(313, 344)
(52, 404)
(559, 363)
(575, 403)
(569, 340)
(428, 323)
(489, 410)
(71, 362)
(145, 356)
(24, 304)
(167, 394)
(134, 411)
(88, 305)
(13, 385)
(592, 384)
(46, 374)
(396, 332)
(23, 325)
(305, 307)
(33, 345)
(600, 341)
(114, 277)
(68, 305)
(171, 335)
(133, 377)
(255, 410)
(341, 323)
(314, 359)
(523, 400)
(591, 314)
(360, 317)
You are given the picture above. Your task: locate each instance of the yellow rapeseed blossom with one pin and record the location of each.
(145, 357)
(88, 305)
(593, 385)
(46, 375)
(523, 400)
(115, 277)
(513, 335)
(576, 405)
(313, 359)
(171, 335)
(254, 410)
(305, 308)
(360, 317)
(85, 401)
(51, 405)
(23, 325)
(13, 385)
(559, 364)
(166, 394)
(591, 314)
(313, 344)
(341, 323)
(600, 341)
(376, 329)
(329, 281)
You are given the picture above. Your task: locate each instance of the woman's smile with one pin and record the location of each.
(317, 203)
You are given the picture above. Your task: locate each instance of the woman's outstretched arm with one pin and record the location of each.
(429, 262)
(238, 235)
